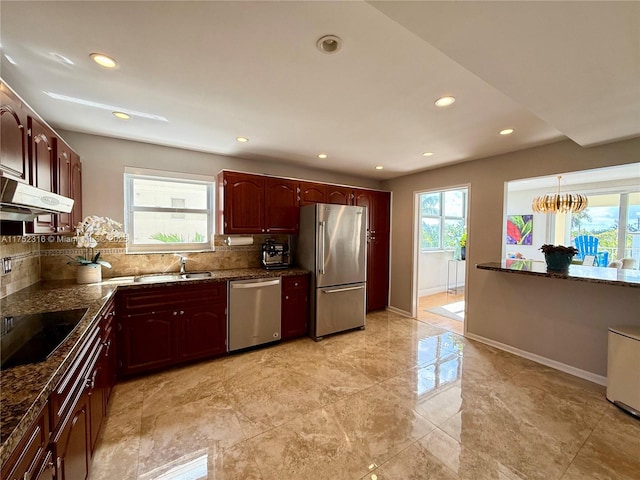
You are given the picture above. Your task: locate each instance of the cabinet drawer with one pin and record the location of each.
(26, 458)
(74, 380)
(295, 283)
(166, 297)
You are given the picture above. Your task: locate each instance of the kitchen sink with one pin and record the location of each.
(32, 338)
(170, 277)
(194, 275)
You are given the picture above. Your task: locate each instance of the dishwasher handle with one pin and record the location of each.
(255, 284)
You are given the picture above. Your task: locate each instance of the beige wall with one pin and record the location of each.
(559, 320)
(104, 158)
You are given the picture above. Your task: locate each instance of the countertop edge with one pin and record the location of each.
(576, 273)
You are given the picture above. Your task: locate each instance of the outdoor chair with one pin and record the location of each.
(588, 245)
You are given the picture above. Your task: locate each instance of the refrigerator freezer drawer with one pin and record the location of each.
(339, 308)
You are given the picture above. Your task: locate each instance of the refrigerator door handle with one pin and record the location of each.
(347, 289)
(322, 226)
(255, 284)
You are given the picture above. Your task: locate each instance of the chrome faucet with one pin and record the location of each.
(183, 263)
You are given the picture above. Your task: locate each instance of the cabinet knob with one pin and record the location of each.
(181, 312)
(295, 284)
(286, 297)
(175, 313)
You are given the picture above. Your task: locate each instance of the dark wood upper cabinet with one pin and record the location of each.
(378, 209)
(14, 160)
(312, 193)
(42, 170)
(282, 213)
(63, 177)
(76, 190)
(242, 209)
(339, 195)
(257, 204)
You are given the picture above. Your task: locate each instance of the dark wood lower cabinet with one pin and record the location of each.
(295, 306)
(378, 272)
(29, 457)
(71, 443)
(162, 326)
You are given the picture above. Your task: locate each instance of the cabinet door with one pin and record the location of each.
(76, 190)
(13, 132)
(111, 365)
(202, 332)
(71, 443)
(282, 212)
(96, 381)
(378, 209)
(295, 306)
(147, 341)
(312, 193)
(377, 272)
(243, 203)
(63, 177)
(41, 163)
(25, 461)
(339, 195)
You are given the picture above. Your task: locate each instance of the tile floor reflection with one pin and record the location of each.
(402, 399)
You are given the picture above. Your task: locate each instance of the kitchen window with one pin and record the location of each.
(442, 219)
(168, 211)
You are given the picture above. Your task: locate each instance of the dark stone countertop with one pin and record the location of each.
(580, 273)
(25, 389)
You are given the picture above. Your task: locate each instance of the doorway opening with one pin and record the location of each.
(441, 218)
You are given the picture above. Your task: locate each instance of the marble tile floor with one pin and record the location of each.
(400, 400)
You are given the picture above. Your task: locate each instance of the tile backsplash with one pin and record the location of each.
(54, 258)
(25, 263)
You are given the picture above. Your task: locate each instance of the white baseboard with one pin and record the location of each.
(563, 367)
(399, 312)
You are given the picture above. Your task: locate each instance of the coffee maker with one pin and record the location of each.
(275, 255)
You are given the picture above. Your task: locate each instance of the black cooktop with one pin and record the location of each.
(32, 338)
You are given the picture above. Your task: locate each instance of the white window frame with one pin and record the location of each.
(129, 209)
(442, 218)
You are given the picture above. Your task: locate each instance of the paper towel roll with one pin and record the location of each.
(235, 241)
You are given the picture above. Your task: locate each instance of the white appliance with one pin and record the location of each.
(623, 368)
(332, 244)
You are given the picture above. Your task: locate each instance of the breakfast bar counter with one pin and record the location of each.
(580, 273)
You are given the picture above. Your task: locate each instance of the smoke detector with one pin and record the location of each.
(329, 44)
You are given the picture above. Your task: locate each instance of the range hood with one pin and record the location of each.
(23, 203)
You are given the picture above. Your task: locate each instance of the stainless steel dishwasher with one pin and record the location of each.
(254, 312)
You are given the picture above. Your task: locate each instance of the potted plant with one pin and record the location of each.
(463, 246)
(558, 257)
(90, 264)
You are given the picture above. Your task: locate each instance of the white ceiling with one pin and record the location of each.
(218, 70)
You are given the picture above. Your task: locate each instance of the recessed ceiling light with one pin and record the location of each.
(379, 167)
(104, 106)
(61, 58)
(427, 154)
(444, 101)
(242, 139)
(10, 60)
(322, 155)
(103, 60)
(329, 44)
(506, 131)
(122, 115)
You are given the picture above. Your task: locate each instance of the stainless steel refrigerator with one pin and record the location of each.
(332, 244)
